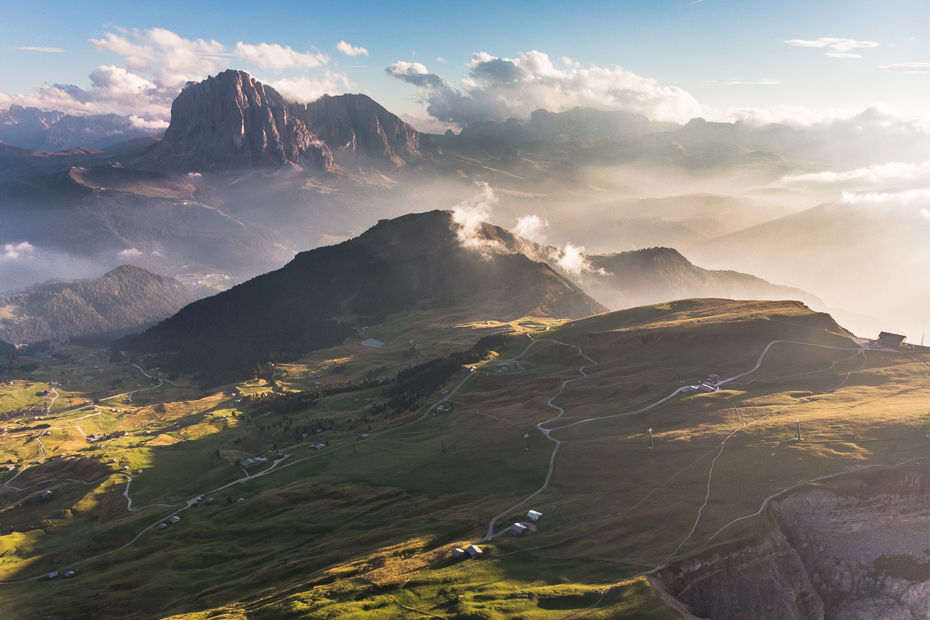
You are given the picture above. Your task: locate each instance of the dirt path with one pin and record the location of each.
(490, 535)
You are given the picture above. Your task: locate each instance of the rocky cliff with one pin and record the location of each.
(853, 549)
(235, 121)
(356, 127)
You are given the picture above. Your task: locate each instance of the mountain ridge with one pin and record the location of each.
(126, 297)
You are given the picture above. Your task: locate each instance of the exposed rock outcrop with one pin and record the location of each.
(866, 550)
(854, 550)
(356, 126)
(762, 581)
(234, 121)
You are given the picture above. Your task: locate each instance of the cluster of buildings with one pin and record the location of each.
(517, 529)
(711, 385)
(252, 462)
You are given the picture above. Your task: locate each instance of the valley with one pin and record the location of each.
(367, 521)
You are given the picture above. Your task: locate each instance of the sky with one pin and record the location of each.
(459, 62)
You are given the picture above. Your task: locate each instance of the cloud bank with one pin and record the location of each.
(158, 63)
(836, 48)
(501, 88)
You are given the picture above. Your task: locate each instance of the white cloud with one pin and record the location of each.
(129, 253)
(168, 58)
(837, 48)
(158, 63)
(148, 125)
(351, 50)
(39, 49)
(880, 199)
(762, 82)
(879, 173)
(13, 251)
(908, 67)
(531, 227)
(500, 88)
(274, 56)
(572, 260)
(414, 73)
(305, 90)
(468, 216)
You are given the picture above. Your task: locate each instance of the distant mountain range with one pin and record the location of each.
(52, 130)
(126, 298)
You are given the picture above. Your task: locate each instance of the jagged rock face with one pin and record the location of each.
(356, 126)
(233, 120)
(763, 581)
(858, 554)
(866, 550)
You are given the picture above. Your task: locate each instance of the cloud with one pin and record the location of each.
(500, 88)
(837, 48)
(169, 59)
(762, 82)
(414, 73)
(468, 216)
(148, 125)
(39, 49)
(305, 90)
(351, 50)
(129, 253)
(572, 260)
(158, 63)
(797, 115)
(908, 67)
(879, 173)
(274, 56)
(531, 227)
(919, 197)
(13, 251)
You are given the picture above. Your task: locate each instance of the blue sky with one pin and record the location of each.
(723, 55)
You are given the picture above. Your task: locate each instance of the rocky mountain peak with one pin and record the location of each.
(356, 126)
(233, 120)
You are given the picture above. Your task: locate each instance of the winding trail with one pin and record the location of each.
(490, 535)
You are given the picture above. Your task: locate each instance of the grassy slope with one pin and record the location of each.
(345, 534)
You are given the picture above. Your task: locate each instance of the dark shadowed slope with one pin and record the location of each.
(414, 261)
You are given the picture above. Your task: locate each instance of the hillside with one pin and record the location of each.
(127, 297)
(413, 262)
(652, 498)
(655, 275)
